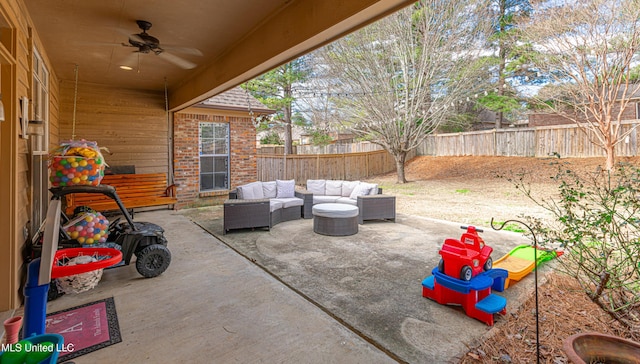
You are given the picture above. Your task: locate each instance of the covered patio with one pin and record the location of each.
(62, 77)
(289, 295)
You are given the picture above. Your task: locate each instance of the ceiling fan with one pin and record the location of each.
(146, 43)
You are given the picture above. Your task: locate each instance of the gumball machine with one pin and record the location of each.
(76, 163)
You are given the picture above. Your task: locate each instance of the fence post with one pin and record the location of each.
(284, 172)
(366, 164)
(344, 165)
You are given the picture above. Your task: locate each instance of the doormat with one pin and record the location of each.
(85, 328)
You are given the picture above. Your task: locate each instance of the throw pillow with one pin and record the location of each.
(334, 188)
(316, 186)
(285, 189)
(374, 188)
(362, 189)
(239, 192)
(269, 189)
(347, 187)
(251, 191)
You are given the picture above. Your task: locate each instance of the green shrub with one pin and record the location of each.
(320, 138)
(596, 220)
(271, 138)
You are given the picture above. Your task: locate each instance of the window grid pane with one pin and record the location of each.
(214, 156)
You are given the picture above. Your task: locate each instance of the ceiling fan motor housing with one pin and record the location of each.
(145, 42)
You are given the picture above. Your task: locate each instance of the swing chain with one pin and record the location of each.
(251, 114)
(75, 102)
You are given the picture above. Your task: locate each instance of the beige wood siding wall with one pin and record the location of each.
(131, 123)
(17, 38)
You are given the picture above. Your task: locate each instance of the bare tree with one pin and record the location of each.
(314, 98)
(400, 76)
(588, 49)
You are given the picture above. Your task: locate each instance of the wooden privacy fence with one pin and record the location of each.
(566, 140)
(349, 166)
(337, 148)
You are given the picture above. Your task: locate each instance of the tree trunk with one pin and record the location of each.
(288, 143)
(610, 151)
(502, 54)
(400, 158)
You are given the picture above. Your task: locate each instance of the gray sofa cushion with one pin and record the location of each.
(274, 205)
(347, 200)
(347, 187)
(285, 189)
(289, 202)
(324, 199)
(333, 188)
(316, 186)
(335, 210)
(374, 188)
(361, 189)
(269, 189)
(251, 191)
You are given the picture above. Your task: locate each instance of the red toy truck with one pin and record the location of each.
(467, 257)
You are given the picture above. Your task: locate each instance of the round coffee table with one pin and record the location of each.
(335, 219)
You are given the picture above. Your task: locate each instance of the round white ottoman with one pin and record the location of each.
(335, 219)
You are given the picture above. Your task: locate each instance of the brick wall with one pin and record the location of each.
(242, 159)
(544, 119)
(547, 119)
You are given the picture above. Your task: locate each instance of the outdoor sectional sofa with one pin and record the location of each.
(262, 204)
(265, 204)
(372, 204)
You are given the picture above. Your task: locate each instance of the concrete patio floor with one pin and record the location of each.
(290, 296)
(371, 281)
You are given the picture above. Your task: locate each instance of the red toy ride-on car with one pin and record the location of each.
(467, 257)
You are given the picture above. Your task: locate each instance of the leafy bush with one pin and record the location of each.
(596, 220)
(271, 138)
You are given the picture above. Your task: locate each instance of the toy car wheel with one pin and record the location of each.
(488, 264)
(441, 266)
(466, 273)
(153, 260)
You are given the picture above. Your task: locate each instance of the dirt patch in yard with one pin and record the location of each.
(472, 190)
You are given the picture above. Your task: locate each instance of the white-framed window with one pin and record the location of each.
(40, 100)
(39, 142)
(213, 148)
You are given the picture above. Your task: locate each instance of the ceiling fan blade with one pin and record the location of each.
(89, 44)
(136, 38)
(122, 31)
(180, 62)
(183, 50)
(129, 35)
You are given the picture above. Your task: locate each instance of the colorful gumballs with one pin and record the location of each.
(79, 162)
(88, 227)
